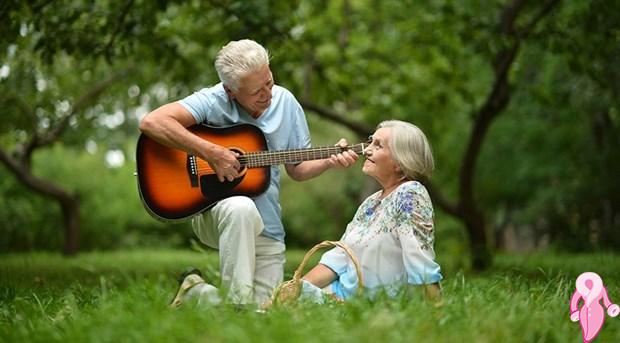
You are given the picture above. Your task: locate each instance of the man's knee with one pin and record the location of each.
(238, 205)
(239, 213)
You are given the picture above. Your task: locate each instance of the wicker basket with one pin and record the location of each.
(289, 291)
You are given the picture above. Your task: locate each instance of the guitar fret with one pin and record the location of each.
(258, 159)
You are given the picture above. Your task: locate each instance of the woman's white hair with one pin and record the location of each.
(238, 58)
(410, 149)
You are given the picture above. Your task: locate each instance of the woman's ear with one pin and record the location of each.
(399, 171)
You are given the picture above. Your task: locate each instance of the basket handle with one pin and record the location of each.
(327, 244)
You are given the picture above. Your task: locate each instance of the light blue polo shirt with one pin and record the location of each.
(283, 123)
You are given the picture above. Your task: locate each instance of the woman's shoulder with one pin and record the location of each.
(412, 187)
(411, 195)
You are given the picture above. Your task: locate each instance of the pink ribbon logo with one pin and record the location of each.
(591, 315)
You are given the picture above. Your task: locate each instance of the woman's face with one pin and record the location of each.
(379, 162)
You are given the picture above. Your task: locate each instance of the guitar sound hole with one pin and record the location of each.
(243, 169)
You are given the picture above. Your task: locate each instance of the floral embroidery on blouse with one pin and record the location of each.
(406, 211)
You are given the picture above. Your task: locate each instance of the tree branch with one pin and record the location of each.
(498, 97)
(496, 101)
(87, 98)
(23, 174)
(228, 11)
(361, 129)
(547, 7)
(25, 108)
(117, 30)
(441, 201)
(509, 16)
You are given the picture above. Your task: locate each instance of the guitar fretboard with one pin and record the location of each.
(257, 159)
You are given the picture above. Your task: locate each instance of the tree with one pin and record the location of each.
(44, 96)
(515, 24)
(36, 121)
(54, 48)
(467, 74)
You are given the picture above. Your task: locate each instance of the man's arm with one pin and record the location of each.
(310, 169)
(168, 126)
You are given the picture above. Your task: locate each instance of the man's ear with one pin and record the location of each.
(229, 92)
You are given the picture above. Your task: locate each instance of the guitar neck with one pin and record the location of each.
(257, 159)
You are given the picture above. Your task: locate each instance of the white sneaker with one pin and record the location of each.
(193, 287)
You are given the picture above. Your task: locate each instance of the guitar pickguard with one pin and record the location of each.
(215, 190)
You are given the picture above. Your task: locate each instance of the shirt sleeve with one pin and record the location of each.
(416, 234)
(300, 135)
(199, 104)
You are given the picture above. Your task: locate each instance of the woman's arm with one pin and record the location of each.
(320, 276)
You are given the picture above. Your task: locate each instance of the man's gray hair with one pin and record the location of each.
(410, 149)
(238, 58)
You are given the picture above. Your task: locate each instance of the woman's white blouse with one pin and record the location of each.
(393, 240)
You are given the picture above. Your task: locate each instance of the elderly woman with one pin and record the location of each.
(392, 232)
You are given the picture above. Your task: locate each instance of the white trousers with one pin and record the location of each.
(251, 265)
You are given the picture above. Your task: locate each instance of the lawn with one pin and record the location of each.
(122, 297)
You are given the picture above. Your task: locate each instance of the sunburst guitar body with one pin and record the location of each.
(175, 185)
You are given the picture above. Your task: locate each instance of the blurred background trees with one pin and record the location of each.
(519, 101)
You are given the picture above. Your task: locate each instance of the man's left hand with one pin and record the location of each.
(344, 159)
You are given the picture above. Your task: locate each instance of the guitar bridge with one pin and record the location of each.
(192, 170)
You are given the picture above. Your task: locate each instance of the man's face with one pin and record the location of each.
(254, 93)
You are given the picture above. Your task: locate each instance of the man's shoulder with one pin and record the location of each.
(214, 90)
(283, 93)
(208, 100)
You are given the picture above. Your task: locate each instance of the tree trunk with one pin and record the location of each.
(70, 205)
(481, 257)
(69, 202)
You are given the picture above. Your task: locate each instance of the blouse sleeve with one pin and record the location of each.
(415, 231)
(336, 260)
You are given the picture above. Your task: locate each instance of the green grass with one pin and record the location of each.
(123, 296)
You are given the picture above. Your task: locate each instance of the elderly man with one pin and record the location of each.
(247, 231)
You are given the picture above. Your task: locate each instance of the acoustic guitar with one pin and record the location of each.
(175, 185)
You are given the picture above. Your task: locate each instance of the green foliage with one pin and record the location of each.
(320, 209)
(550, 160)
(554, 159)
(124, 295)
(112, 215)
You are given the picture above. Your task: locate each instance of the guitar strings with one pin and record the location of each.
(254, 159)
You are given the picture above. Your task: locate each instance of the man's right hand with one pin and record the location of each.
(167, 124)
(225, 163)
